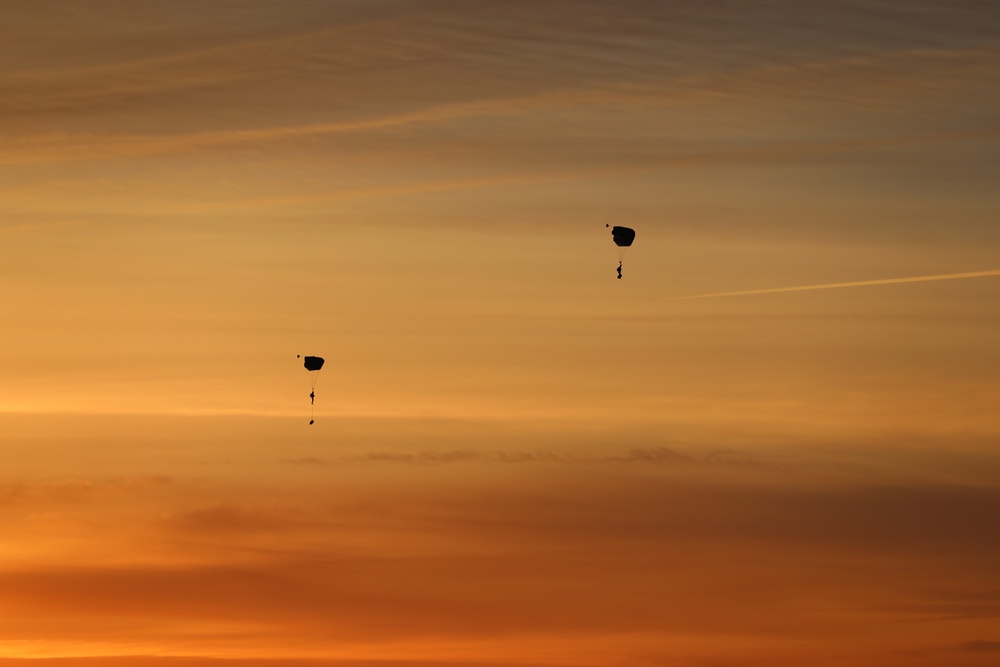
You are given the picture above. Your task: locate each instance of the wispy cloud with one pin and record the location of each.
(858, 81)
(982, 646)
(655, 456)
(510, 559)
(859, 283)
(73, 491)
(230, 518)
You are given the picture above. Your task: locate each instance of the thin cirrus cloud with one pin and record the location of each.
(660, 456)
(859, 283)
(169, 90)
(770, 81)
(699, 158)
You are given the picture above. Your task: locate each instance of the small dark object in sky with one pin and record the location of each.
(312, 364)
(623, 237)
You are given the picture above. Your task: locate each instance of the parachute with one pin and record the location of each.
(312, 364)
(623, 237)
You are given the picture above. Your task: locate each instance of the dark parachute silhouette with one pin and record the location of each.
(312, 364)
(623, 237)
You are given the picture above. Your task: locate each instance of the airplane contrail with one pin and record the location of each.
(860, 283)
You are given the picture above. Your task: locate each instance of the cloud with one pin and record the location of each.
(612, 547)
(422, 458)
(981, 646)
(431, 457)
(306, 461)
(229, 518)
(62, 147)
(97, 660)
(329, 599)
(545, 76)
(860, 283)
(74, 490)
(952, 604)
(656, 456)
(652, 455)
(653, 492)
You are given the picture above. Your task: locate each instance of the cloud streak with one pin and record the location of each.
(859, 283)
(981, 646)
(655, 456)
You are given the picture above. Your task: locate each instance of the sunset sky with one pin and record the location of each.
(518, 460)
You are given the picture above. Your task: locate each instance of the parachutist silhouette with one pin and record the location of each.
(313, 365)
(623, 237)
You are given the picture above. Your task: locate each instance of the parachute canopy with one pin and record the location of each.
(313, 363)
(623, 236)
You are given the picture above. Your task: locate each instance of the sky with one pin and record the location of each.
(773, 442)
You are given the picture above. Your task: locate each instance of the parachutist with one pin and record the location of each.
(313, 365)
(623, 237)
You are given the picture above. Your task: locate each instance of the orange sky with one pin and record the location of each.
(517, 460)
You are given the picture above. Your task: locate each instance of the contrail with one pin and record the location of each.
(861, 283)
